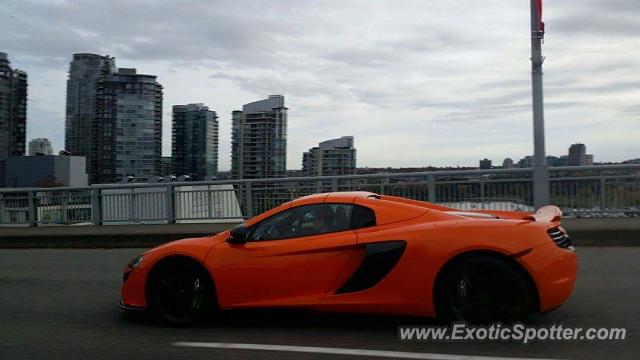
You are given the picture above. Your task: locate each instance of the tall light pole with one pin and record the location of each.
(540, 174)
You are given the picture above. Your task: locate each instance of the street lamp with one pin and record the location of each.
(540, 174)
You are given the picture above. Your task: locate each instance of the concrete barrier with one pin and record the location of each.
(111, 236)
(584, 232)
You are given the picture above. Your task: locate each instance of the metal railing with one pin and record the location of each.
(602, 190)
(596, 190)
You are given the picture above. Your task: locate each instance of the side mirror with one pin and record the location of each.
(238, 235)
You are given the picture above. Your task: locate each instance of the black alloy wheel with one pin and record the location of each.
(484, 290)
(182, 293)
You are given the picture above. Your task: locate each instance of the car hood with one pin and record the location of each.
(195, 247)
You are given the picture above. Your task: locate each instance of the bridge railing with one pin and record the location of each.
(602, 190)
(596, 190)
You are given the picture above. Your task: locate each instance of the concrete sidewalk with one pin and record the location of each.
(584, 232)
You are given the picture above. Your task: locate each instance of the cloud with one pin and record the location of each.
(598, 18)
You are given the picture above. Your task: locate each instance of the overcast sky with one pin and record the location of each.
(416, 82)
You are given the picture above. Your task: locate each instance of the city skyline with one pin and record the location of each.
(94, 80)
(449, 96)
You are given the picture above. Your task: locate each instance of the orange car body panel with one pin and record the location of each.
(308, 271)
(285, 272)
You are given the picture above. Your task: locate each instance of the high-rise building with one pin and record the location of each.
(114, 119)
(259, 139)
(236, 144)
(577, 152)
(13, 109)
(40, 146)
(485, 164)
(330, 157)
(507, 163)
(128, 128)
(578, 155)
(194, 141)
(86, 73)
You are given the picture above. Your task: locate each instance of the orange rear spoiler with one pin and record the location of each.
(547, 213)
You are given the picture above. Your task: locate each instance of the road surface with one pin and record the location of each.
(60, 303)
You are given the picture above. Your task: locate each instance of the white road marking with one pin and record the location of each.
(341, 351)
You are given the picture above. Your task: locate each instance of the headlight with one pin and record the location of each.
(135, 262)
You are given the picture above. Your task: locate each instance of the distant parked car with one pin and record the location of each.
(363, 252)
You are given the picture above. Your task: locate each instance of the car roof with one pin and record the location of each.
(347, 197)
(338, 196)
(388, 209)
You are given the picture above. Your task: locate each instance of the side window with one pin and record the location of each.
(362, 217)
(272, 228)
(341, 216)
(304, 220)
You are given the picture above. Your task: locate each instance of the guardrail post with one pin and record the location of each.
(482, 192)
(603, 199)
(32, 216)
(431, 188)
(132, 205)
(1, 210)
(96, 207)
(540, 178)
(170, 199)
(65, 208)
(248, 195)
(383, 183)
(210, 197)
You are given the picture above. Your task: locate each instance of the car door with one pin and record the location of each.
(290, 259)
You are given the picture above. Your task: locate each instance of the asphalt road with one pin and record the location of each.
(61, 304)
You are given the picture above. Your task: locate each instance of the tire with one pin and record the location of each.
(483, 289)
(182, 293)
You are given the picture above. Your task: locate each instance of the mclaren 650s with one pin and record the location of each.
(367, 253)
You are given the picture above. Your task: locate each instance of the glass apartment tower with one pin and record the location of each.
(194, 141)
(13, 109)
(330, 158)
(86, 73)
(259, 139)
(129, 123)
(114, 119)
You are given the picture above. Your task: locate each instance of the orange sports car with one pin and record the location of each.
(363, 252)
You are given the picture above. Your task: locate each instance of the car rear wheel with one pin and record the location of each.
(182, 292)
(482, 290)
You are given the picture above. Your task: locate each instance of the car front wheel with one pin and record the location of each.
(182, 292)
